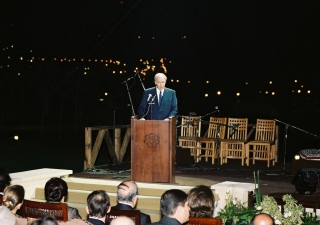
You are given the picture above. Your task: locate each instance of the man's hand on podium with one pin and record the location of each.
(166, 119)
(142, 119)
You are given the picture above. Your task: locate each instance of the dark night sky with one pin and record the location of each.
(229, 42)
(235, 38)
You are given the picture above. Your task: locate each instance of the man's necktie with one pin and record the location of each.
(160, 97)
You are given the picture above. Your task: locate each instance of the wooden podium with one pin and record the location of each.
(153, 150)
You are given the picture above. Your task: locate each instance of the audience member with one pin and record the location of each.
(127, 199)
(262, 219)
(174, 208)
(5, 180)
(122, 220)
(47, 220)
(13, 198)
(56, 190)
(98, 205)
(6, 217)
(201, 202)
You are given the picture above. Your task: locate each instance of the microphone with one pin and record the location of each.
(123, 82)
(149, 97)
(216, 108)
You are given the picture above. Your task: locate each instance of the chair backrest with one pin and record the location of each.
(204, 221)
(133, 214)
(35, 209)
(216, 122)
(237, 128)
(190, 126)
(265, 130)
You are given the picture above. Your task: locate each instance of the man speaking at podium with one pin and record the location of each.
(158, 103)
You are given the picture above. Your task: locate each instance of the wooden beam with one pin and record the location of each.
(96, 146)
(110, 146)
(125, 143)
(88, 147)
(117, 142)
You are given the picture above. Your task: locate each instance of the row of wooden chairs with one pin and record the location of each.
(233, 144)
(59, 211)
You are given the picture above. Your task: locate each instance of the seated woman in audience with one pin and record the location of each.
(13, 198)
(56, 190)
(201, 202)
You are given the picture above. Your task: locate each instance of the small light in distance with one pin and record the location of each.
(299, 91)
(206, 95)
(218, 92)
(273, 93)
(308, 91)
(238, 94)
(16, 137)
(106, 93)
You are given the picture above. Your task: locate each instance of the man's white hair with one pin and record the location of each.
(160, 74)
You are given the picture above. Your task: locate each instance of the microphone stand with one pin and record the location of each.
(133, 114)
(126, 82)
(140, 80)
(285, 140)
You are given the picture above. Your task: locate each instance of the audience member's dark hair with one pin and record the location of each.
(55, 189)
(5, 179)
(126, 195)
(201, 202)
(13, 196)
(253, 218)
(98, 203)
(170, 200)
(47, 220)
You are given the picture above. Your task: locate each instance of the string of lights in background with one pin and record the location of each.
(147, 65)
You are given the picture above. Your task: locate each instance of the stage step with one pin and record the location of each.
(80, 188)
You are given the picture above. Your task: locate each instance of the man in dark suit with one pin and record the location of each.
(174, 208)
(98, 205)
(127, 199)
(158, 103)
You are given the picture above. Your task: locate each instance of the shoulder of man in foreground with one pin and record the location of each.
(75, 222)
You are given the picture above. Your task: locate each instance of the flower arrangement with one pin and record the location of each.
(235, 213)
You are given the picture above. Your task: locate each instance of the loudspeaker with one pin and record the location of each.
(306, 180)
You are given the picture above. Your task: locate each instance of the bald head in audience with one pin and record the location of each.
(262, 219)
(122, 220)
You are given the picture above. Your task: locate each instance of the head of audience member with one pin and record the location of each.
(122, 220)
(201, 202)
(262, 219)
(160, 81)
(5, 180)
(6, 217)
(98, 205)
(56, 190)
(47, 220)
(174, 204)
(13, 198)
(127, 192)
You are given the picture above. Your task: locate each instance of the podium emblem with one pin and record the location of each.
(152, 140)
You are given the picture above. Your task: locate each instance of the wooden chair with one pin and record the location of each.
(263, 147)
(133, 214)
(35, 209)
(190, 132)
(210, 143)
(234, 146)
(204, 221)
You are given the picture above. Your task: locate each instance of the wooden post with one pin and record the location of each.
(117, 142)
(88, 147)
(96, 146)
